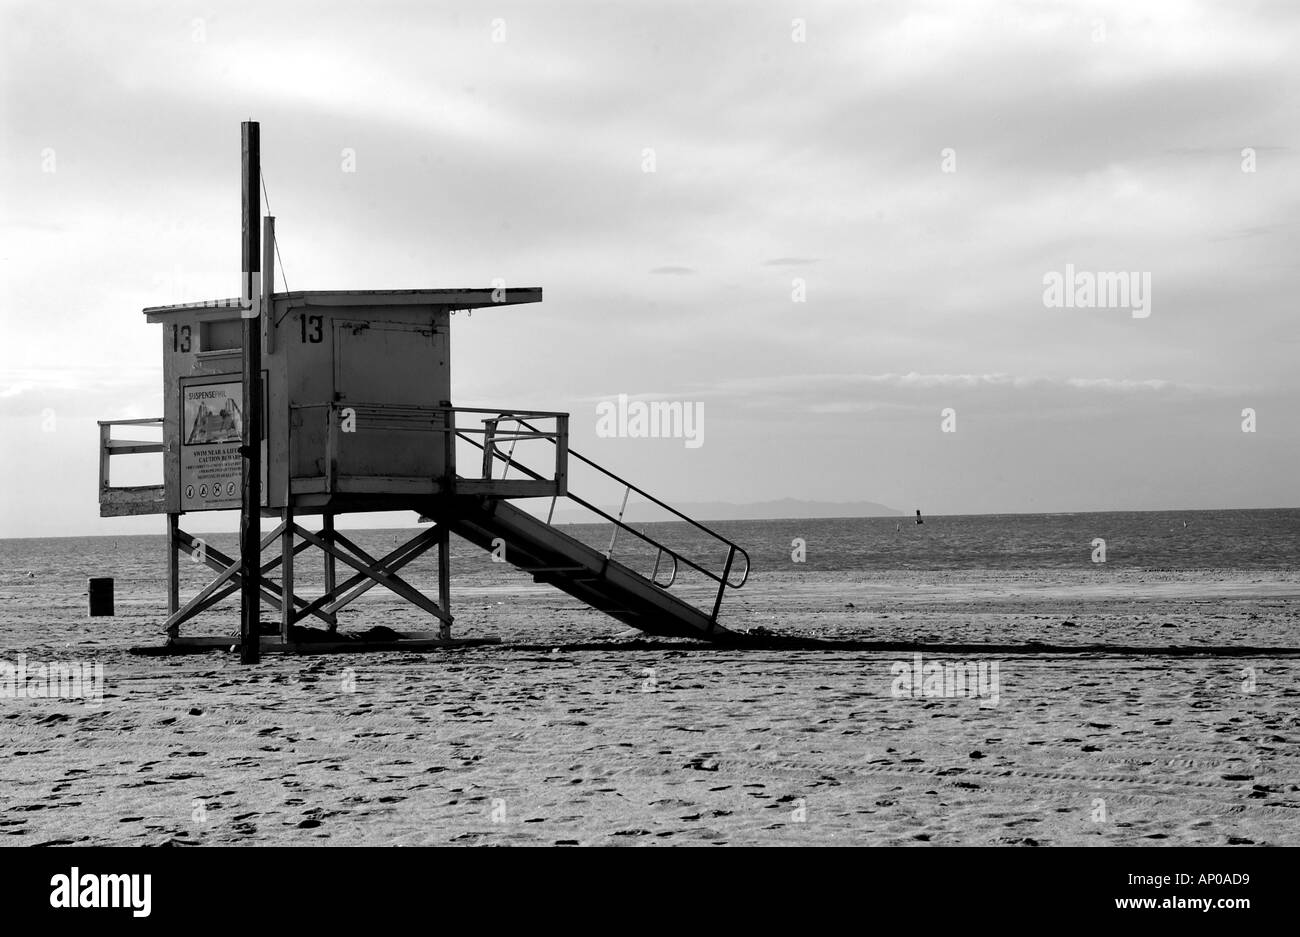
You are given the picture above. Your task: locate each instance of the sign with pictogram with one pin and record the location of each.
(212, 427)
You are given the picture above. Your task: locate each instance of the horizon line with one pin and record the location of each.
(846, 517)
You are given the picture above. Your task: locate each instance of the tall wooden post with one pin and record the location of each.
(327, 534)
(173, 566)
(268, 285)
(250, 519)
(444, 578)
(286, 579)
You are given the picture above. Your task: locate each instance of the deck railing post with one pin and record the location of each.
(489, 446)
(510, 456)
(609, 554)
(562, 454)
(722, 586)
(105, 433)
(448, 417)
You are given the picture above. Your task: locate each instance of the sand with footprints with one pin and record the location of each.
(575, 731)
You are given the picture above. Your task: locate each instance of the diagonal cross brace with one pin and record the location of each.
(231, 587)
(392, 562)
(378, 570)
(331, 602)
(229, 569)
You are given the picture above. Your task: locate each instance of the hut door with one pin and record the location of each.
(388, 364)
(384, 370)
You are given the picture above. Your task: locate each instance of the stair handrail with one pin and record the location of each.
(621, 525)
(733, 548)
(667, 507)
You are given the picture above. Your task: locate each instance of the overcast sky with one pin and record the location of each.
(1106, 136)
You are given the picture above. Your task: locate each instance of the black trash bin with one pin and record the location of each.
(101, 596)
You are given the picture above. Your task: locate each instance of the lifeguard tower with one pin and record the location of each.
(357, 417)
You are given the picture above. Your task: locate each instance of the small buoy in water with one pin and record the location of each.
(31, 575)
(918, 517)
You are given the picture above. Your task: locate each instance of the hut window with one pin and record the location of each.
(221, 335)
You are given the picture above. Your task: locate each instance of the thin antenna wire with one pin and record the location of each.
(276, 240)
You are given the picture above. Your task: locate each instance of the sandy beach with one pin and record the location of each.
(575, 731)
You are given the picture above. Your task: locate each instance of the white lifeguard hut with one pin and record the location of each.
(356, 416)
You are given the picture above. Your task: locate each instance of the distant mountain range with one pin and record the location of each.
(792, 508)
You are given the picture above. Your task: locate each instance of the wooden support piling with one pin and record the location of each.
(250, 512)
(286, 574)
(327, 531)
(173, 566)
(444, 579)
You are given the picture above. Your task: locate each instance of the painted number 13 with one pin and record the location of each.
(311, 329)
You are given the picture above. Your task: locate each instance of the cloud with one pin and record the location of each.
(16, 389)
(523, 159)
(816, 383)
(995, 393)
(82, 391)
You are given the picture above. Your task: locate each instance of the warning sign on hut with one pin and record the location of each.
(212, 429)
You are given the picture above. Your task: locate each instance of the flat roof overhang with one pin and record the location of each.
(451, 299)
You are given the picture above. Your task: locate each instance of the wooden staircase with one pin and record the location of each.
(558, 559)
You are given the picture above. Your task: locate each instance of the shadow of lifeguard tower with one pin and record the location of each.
(357, 417)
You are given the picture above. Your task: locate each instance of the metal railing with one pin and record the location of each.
(339, 415)
(127, 499)
(493, 436)
(724, 580)
(501, 431)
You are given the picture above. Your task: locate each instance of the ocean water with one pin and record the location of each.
(1156, 540)
(44, 578)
